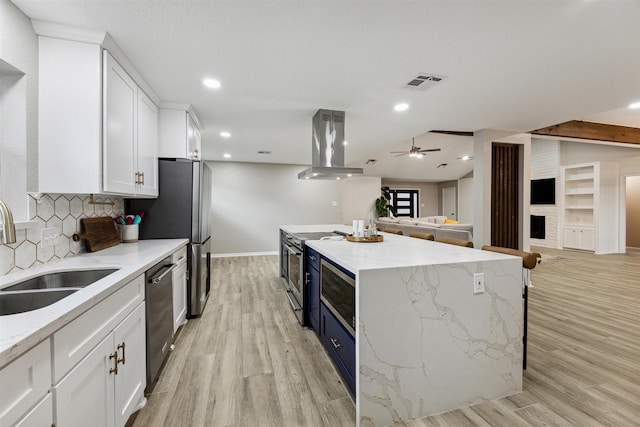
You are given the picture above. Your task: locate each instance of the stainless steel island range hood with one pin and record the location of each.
(327, 146)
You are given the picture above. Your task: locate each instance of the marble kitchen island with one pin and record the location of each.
(425, 343)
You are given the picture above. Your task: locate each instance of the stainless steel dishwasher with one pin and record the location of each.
(159, 310)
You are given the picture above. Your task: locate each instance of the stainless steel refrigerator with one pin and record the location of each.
(182, 210)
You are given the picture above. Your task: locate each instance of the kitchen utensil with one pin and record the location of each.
(137, 219)
(97, 233)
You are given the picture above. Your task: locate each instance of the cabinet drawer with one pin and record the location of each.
(312, 259)
(180, 255)
(76, 339)
(24, 382)
(340, 344)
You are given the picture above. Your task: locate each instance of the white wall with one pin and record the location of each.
(18, 49)
(251, 200)
(545, 158)
(482, 143)
(358, 196)
(465, 200)
(577, 152)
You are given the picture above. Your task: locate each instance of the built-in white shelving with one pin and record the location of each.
(589, 206)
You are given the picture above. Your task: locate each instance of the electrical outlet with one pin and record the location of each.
(478, 283)
(49, 236)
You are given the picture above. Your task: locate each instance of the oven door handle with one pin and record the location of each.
(293, 250)
(294, 306)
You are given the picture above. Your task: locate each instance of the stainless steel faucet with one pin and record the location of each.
(8, 230)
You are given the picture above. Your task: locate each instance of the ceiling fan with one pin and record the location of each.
(414, 151)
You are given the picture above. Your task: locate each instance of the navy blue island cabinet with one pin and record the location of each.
(340, 345)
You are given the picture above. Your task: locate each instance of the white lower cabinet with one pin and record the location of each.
(105, 388)
(23, 383)
(179, 295)
(85, 396)
(579, 238)
(40, 415)
(179, 277)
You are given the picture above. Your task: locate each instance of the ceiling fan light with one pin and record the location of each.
(413, 154)
(420, 155)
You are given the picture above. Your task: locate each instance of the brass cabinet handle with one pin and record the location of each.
(114, 356)
(137, 174)
(335, 343)
(121, 346)
(142, 175)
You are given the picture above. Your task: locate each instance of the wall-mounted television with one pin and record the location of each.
(543, 191)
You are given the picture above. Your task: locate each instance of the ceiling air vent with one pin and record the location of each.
(424, 81)
(264, 152)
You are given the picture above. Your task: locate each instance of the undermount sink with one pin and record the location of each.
(21, 301)
(41, 291)
(61, 279)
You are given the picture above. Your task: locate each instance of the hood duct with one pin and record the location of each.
(327, 147)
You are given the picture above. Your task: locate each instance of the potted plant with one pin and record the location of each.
(382, 203)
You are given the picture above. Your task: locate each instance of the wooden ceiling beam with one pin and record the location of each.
(590, 130)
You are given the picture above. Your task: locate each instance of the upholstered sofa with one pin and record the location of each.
(431, 224)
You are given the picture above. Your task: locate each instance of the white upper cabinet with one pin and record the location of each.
(179, 134)
(98, 130)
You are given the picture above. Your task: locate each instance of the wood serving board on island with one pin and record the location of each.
(372, 239)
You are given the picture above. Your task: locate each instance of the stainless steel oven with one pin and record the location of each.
(338, 293)
(295, 264)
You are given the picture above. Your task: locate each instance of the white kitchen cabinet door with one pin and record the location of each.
(193, 139)
(119, 128)
(24, 382)
(85, 396)
(179, 295)
(147, 148)
(41, 415)
(131, 379)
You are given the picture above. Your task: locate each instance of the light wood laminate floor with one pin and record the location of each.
(247, 362)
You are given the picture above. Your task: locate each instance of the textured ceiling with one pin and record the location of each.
(511, 65)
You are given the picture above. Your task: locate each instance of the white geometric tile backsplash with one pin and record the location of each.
(54, 210)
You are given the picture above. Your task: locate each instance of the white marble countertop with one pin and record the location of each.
(395, 251)
(19, 332)
(313, 228)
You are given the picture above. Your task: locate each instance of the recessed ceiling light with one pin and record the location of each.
(211, 83)
(349, 175)
(225, 134)
(345, 142)
(337, 178)
(634, 105)
(403, 106)
(315, 174)
(306, 177)
(226, 156)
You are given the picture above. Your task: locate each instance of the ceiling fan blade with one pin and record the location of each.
(427, 150)
(396, 152)
(400, 155)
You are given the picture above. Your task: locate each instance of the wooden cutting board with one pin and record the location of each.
(98, 233)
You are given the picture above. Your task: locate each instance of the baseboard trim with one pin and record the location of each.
(244, 254)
